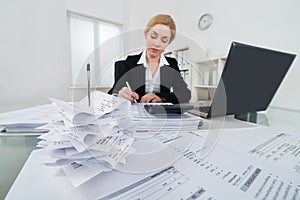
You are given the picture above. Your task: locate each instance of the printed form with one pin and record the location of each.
(242, 169)
(223, 174)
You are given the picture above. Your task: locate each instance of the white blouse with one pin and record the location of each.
(152, 82)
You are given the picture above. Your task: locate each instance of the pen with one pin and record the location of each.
(88, 69)
(130, 90)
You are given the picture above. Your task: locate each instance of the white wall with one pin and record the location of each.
(270, 23)
(34, 48)
(33, 52)
(112, 10)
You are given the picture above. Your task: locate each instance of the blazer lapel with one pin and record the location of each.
(137, 76)
(165, 78)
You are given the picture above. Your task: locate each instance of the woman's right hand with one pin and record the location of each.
(125, 93)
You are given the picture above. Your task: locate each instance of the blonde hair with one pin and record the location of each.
(165, 20)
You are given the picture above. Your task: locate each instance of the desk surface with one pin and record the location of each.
(14, 150)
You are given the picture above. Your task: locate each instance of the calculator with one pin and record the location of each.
(168, 109)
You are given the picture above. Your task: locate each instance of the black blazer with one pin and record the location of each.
(170, 77)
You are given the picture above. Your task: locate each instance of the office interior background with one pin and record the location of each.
(35, 43)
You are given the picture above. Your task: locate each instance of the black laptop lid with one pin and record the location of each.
(250, 79)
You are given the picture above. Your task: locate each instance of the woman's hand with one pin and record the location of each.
(125, 93)
(151, 97)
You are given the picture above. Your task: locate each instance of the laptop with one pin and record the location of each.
(249, 81)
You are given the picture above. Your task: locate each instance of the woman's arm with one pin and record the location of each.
(171, 77)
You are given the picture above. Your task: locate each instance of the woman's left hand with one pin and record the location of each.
(151, 97)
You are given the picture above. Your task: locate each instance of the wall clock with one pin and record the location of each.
(205, 21)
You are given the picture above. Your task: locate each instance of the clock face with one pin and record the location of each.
(205, 21)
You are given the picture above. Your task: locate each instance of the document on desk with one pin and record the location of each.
(84, 157)
(275, 147)
(27, 121)
(108, 125)
(37, 114)
(223, 174)
(92, 140)
(280, 150)
(24, 128)
(144, 121)
(79, 113)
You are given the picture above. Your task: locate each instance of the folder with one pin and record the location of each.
(23, 128)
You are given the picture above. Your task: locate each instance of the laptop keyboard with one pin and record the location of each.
(200, 111)
(204, 109)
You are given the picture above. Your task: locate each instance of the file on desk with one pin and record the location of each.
(143, 120)
(80, 113)
(28, 121)
(24, 128)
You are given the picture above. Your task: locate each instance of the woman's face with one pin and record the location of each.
(157, 39)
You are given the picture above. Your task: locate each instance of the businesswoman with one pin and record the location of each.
(150, 76)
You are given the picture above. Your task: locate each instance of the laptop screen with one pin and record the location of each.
(250, 79)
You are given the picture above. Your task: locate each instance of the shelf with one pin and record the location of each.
(182, 57)
(206, 74)
(205, 86)
(85, 87)
(209, 61)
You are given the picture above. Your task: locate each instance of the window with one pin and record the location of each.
(95, 42)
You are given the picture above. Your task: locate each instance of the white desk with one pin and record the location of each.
(15, 150)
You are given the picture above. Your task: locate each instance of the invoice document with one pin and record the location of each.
(225, 173)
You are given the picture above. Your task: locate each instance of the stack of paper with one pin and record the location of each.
(79, 113)
(144, 121)
(24, 128)
(92, 139)
(28, 120)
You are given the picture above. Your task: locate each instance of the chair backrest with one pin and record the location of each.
(120, 69)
